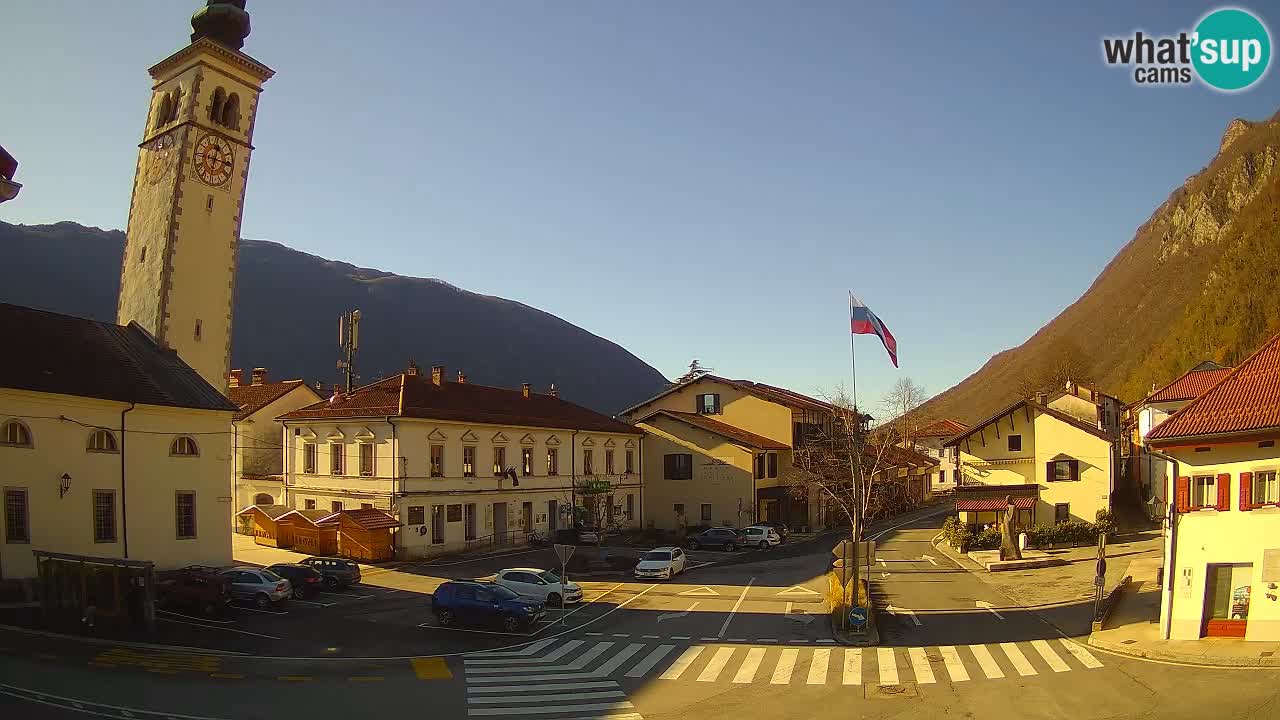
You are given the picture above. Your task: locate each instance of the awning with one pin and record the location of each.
(993, 504)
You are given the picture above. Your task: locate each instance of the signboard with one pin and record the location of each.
(1271, 566)
(842, 571)
(845, 549)
(858, 617)
(564, 552)
(596, 485)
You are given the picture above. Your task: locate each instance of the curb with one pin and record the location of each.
(120, 643)
(871, 639)
(1182, 658)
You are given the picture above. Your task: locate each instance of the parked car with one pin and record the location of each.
(263, 587)
(760, 536)
(663, 563)
(726, 539)
(541, 585)
(337, 572)
(473, 602)
(779, 527)
(195, 588)
(303, 579)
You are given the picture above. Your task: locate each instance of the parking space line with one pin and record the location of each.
(264, 612)
(218, 627)
(309, 602)
(194, 617)
(429, 626)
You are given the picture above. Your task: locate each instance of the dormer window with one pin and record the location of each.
(708, 404)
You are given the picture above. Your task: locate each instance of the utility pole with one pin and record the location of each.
(349, 341)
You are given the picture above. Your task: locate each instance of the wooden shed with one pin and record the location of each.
(269, 525)
(314, 532)
(365, 534)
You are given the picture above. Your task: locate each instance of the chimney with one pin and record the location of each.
(319, 387)
(437, 374)
(1040, 398)
(236, 378)
(412, 369)
(259, 376)
(524, 389)
(553, 392)
(462, 378)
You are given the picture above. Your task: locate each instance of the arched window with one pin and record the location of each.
(175, 105)
(15, 433)
(184, 445)
(162, 113)
(101, 440)
(215, 105)
(231, 112)
(262, 499)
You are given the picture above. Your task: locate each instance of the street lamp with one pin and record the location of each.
(64, 486)
(1155, 509)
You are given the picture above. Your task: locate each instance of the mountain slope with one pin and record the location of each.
(1195, 283)
(287, 306)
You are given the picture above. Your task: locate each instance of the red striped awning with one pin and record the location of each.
(993, 504)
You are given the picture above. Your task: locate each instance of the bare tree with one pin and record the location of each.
(902, 405)
(696, 370)
(1061, 361)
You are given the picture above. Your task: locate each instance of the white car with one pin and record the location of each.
(541, 585)
(662, 563)
(760, 536)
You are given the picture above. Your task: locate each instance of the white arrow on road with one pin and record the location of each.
(989, 608)
(932, 560)
(892, 610)
(671, 615)
(800, 617)
(885, 574)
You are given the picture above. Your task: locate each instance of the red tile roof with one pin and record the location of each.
(1247, 399)
(252, 398)
(782, 396)
(990, 504)
(942, 428)
(1052, 412)
(751, 439)
(1191, 385)
(416, 396)
(367, 518)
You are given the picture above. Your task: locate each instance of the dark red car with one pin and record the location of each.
(194, 589)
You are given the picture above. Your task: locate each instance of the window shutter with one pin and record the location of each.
(1224, 492)
(1075, 469)
(716, 399)
(1182, 494)
(1048, 471)
(1246, 491)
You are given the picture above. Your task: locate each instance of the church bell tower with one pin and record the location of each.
(177, 279)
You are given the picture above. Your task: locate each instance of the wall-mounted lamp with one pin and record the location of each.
(64, 486)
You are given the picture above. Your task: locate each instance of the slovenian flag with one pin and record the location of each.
(864, 322)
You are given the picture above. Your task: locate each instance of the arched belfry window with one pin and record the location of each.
(231, 112)
(216, 105)
(175, 105)
(163, 111)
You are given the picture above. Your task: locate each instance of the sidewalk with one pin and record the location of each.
(1134, 629)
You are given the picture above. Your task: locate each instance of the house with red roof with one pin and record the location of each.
(1222, 550)
(461, 465)
(257, 456)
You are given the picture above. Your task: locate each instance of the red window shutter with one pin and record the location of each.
(1224, 492)
(1075, 469)
(1182, 494)
(1246, 491)
(1048, 471)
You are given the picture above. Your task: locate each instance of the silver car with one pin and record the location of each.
(260, 586)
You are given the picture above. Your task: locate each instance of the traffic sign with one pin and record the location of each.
(564, 552)
(842, 571)
(858, 616)
(866, 550)
(843, 549)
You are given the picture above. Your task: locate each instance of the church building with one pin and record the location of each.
(115, 438)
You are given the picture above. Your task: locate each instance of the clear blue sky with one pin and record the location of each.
(687, 179)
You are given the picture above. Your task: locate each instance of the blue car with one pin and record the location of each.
(484, 603)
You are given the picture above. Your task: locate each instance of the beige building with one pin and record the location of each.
(111, 447)
(719, 450)
(463, 465)
(1057, 466)
(1222, 549)
(929, 441)
(257, 457)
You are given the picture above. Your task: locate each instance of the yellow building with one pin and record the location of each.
(463, 465)
(719, 451)
(257, 458)
(1222, 549)
(110, 446)
(1059, 466)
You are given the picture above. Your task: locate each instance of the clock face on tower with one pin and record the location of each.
(214, 159)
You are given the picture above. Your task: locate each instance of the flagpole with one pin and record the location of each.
(855, 531)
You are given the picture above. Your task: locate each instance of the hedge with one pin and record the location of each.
(1072, 532)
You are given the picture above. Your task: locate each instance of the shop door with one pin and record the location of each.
(1226, 601)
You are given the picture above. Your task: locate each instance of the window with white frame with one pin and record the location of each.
(309, 453)
(184, 446)
(15, 433)
(588, 464)
(468, 461)
(337, 459)
(499, 459)
(608, 462)
(437, 461)
(628, 460)
(101, 440)
(1204, 491)
(1265, 489)
(553, 461)
(366, 459)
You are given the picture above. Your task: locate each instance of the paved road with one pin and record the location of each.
(719, 642)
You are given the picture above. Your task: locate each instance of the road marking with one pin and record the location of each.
(888, 666)
(616, 661)
(525, 710)
(194, 617)
(653, 658)
(737, 640)
(227, 676)
(682, 663)
(786, 664)
(621, 635)
(853, 666)
(1050, 657)
(716, 666)
(828, 641)
(673, 615)
(533, 687)
(1084, 656)
(701, 591)
(650, 637)
(594, 634)
(531, 649)
(797, 590)
(767, 640)
(216, 627)
(264, 612)
(955, 668)
(295, 678)
(818, 667)
(725, 627)
(549, 658)
(556, 697)
(932, 560)
(366, 678)
(747, 672)
(894, 610)
(1019, 660)
(920, 666)
(986, 662)
(983, 604)
(695, 566)
(317, 604)
(681, 637)
(431, 668)
(579, 664)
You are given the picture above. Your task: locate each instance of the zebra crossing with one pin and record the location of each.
(579, 677)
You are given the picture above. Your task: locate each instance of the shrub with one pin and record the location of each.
(988, 539)
(956, 534)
